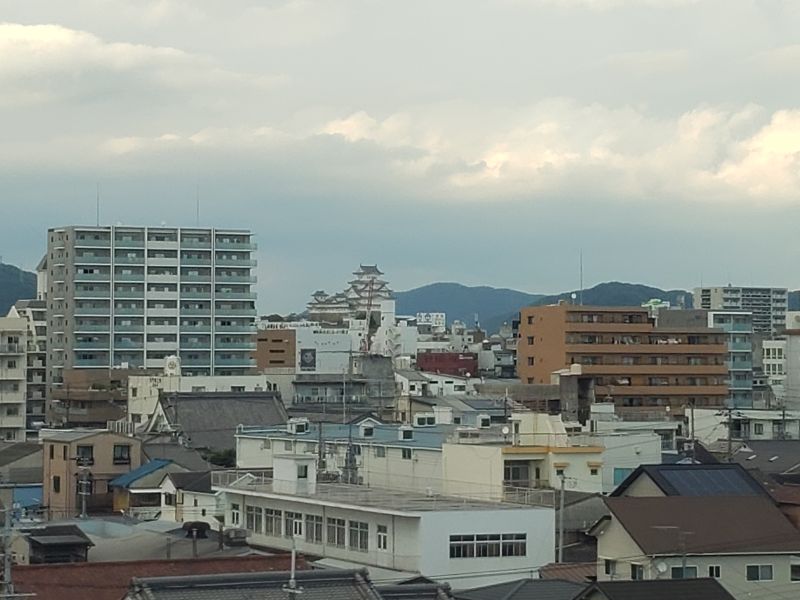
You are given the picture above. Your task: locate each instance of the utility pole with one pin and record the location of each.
(8, 584)
(84, 486)
(783, 420)
(730, 432)
(691, 427)
(561, 522)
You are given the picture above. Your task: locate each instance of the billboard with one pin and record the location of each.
(308, 359)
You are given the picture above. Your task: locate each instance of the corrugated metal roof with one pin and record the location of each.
(126, 480)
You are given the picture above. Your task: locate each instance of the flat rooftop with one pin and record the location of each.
(362, 497)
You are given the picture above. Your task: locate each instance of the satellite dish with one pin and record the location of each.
(661, 567)
(506, 430)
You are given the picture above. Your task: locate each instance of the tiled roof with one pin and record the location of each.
(575, 572)
(697, 480)
(524, 589)
(10, 453)
(315, 585)
(760, 526)
(131, 477)
(192, 481)
(659, 589)
(110, 580)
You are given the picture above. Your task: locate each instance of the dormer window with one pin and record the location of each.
(368, 431)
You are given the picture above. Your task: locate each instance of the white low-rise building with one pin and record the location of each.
(459, 541)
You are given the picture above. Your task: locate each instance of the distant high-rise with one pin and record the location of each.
(132, 296)
(13, 340)
(768, 305)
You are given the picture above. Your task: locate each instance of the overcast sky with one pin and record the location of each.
(478, 141)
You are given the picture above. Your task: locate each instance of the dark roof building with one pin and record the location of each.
(208, 420)
(327, 584)
(192, 481)
(111, 580)
(769, 456)
(415, 591)
(584, 573)
(52, 544)
(759, 526)
(661, 589)
(690, 480)
(524, 589)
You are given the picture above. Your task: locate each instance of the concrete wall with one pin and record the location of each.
(473, 470)
(628, 451)
(436, 527)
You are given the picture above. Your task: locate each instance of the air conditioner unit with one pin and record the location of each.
(297, 425)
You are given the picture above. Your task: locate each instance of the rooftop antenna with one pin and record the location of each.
(97, 204)
(197, 203)
(580, 263)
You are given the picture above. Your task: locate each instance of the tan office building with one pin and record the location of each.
(643, 368)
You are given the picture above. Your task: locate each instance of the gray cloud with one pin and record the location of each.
(483, 142)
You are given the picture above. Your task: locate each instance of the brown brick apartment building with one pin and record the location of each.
(642, 367)
(276, 349)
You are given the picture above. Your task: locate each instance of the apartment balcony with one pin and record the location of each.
(661, 390)
(617, 328)
(129, 260)
(12, 349)
(244, 263)
(86, 363)
(98, 311)
(238, 345)
(196, 361)
(129, 294)
(162, 295)
(219, 295)
(129, 243)
(735, 327)
(93, 243)
(132, 277)
(195, 328)
(163, 312)
(222, 278)
(163, 278)
(736, 365)
(198, 312)
(79, 293)
(196, 278)
(244, 362)
(196, 345)
(129, 344)
(133, 328)
(99, 345)
(80, 277)
(196, 295)
(235, 328)
(196, 244)
(162, 329)
(235, 312)
(196, 262)
(654, 370)
(740, 385)
(162, 244)
(229, 245)
(17, 374)
(92, 259)
(171, 347)
(655, 349)
(740, 346)
(136, 312)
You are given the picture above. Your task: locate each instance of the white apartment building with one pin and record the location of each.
(773, 357)
(458, 541)
(482, 462)
(145, 390)
(791, 382)
(34, 312)
(132, 296)
(13, 366)
(768, 305)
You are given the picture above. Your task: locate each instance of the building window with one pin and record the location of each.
(253, 519)
(302, 471)
(380, 451)
(593, 471)
(462, 546)
(680, 573)
(314, 529)
(758, 428)
(52, 451)
(714, 571)
(122, 454)
(406, 452)
(515, 544)
(560, 472)
(487, 545)
(368, 431)
(383, 537)
(85, 455)
(610, 567)
(336, 532)
(293, 525)
(235, 514)
(637, 571)
(287, 445)
(56, 484)
(759, 572)
(359, 536)
(272, 522)
(795, 568)
(530, 340)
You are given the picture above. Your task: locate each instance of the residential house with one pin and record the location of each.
(138, 492)
(742, 541)
(84, 461)
(662, 589)
(690, 480)
(21, 476)
(459, 541)
(188, 497)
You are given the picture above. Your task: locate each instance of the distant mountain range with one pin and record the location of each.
(493, 306)
(15, 284)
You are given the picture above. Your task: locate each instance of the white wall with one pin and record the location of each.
(436, 528)
(333, 347)
(628, 451)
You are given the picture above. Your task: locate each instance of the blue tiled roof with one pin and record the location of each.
(131, 477)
